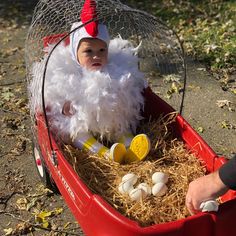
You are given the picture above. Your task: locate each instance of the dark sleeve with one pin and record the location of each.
(227, 173)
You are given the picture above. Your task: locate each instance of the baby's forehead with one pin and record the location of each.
(92, 42)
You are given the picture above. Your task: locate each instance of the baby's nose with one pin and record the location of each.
(95, 56)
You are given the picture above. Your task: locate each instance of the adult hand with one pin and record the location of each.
(208, 187)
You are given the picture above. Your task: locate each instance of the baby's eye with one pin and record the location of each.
(102, 49)
(88, 51)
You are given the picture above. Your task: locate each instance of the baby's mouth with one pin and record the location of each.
(96, 64)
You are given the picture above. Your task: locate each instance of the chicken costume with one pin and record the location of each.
(105, 103)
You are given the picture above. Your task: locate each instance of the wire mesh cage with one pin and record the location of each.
(160, 49)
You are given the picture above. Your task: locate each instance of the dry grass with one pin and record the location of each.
(168, 155)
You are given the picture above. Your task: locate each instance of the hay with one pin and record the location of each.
(168, 155)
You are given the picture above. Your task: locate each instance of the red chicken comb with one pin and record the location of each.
(89, 13)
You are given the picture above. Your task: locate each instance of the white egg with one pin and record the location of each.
(158, 177)
(146, 188)
(159, 189)
(131, 177)
(136, 194)
(210, 205)
(125, 187)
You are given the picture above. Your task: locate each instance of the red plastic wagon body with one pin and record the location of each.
(97, 217)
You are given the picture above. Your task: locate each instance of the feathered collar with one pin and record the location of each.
(106, 102)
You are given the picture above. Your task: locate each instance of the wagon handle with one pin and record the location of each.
(53, 152)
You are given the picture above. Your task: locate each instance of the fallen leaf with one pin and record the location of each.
(46, 225)
(58, 211)
(8, 231)
(66, 225)
(227, 125)
(43, 215)
(31, 203)
(171, 78)
(7, 95)
(21, 203)
(200, 129)
(223, 103)
(201, 69)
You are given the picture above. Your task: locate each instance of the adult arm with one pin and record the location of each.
(211, 186)
(227, 173)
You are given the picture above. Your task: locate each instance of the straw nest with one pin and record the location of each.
(168, 154)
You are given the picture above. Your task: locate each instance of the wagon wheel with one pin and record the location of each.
(42, 170)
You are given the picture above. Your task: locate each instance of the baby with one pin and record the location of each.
(91, 53)
(93, 92)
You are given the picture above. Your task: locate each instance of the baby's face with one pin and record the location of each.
(92, 53)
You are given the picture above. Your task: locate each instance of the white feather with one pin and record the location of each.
(106, 102)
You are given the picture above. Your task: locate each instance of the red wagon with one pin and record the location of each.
(97, 217)
(93, 213)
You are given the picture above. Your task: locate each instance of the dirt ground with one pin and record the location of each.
(22, 197)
